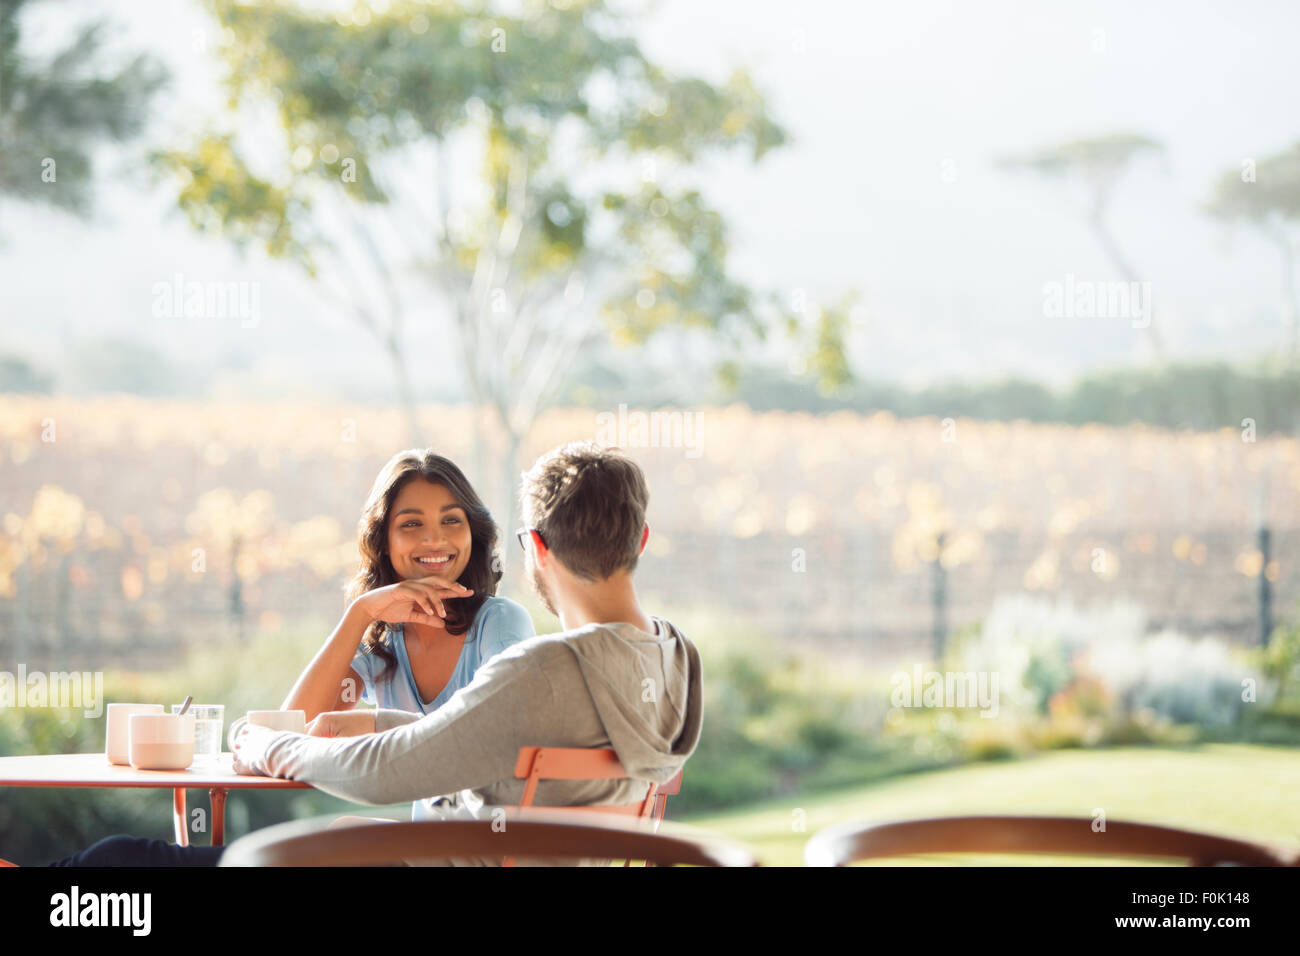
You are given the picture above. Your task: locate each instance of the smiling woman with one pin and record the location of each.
(423, 613)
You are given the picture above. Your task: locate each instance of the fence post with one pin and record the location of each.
(1265, 589)
(940, 601)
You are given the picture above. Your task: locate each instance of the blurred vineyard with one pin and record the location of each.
(135, 528)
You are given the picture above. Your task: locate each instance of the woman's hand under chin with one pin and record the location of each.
(417, 601)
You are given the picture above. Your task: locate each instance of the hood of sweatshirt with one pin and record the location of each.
(648, 691)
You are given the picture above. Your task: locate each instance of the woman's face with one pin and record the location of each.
(428, 532)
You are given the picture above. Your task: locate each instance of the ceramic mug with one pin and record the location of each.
(294, 720)
(161, 741)
(117, 738)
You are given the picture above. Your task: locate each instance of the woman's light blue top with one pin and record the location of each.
(498, 624)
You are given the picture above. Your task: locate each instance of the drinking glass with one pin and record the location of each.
(208, 721)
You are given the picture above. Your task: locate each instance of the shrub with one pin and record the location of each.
(1080, 677)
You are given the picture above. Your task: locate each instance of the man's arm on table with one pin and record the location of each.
(471, 741)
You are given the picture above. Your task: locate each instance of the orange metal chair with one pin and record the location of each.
(851, 842)
(670, 789)
(583, 763)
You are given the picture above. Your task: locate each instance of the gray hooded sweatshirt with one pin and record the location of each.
(601, 685)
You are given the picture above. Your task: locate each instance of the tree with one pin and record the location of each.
(1265, 195)
(53, 114)
(1099, 162)
(486, 192)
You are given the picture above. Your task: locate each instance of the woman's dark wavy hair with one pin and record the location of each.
(482, 572)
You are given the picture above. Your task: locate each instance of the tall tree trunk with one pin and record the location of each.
(1121, 263)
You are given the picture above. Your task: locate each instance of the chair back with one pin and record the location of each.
(537, 832)
(578, 763)
(671, 788)
(1074, 836)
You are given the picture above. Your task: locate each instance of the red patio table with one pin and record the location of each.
(94, 770)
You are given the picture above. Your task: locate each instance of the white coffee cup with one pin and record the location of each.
(117, 738)
(161, 741)
(294, 720)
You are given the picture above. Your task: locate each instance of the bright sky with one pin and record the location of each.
(898, 112)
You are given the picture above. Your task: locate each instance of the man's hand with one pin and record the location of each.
(342, 723)
(248, 740)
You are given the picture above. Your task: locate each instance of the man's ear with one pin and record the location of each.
(645, 536)
(543, 553)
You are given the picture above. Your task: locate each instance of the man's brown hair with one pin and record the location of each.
(589, 504)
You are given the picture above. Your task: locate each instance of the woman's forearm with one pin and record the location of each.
(318, 687)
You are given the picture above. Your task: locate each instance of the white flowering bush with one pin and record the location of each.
(1043, 651)
(1035, 646)
(1194, 681)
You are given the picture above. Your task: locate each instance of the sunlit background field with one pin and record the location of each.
(160, 524)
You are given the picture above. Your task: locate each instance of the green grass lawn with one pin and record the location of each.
(1230, 789)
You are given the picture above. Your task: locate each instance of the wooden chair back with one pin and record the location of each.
(1074, 836)
(534, 833)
